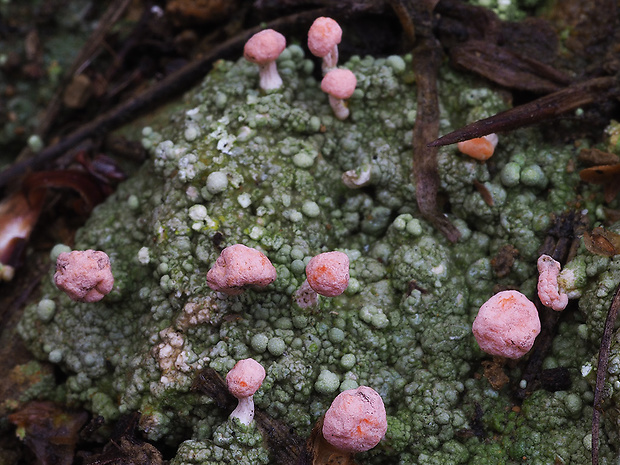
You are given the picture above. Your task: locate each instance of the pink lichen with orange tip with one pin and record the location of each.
(507, 325)
(243, 381)
(480, 148)
(323, 38)
(548, 287)
(328, 273)
(356, 420)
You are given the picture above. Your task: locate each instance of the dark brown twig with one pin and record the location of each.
(539, 110)
(601, 372)
(426, 62)
(508, 68)
(558, 244)
(108, 19)
(172, 85)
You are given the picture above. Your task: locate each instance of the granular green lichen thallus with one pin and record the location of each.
(265, 169)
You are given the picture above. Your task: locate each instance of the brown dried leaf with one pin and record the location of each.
(595, 157)
(503, 261)
(602, 242)
(494, 373)
(507, 68)
(49, 431)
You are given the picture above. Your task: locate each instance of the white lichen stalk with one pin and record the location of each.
(244, 411)
(341, 110)
(269, 77)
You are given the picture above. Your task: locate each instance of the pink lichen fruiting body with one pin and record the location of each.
(480, 148)
(356, 420)
(239, 266)
(323, 38)
(243, 381)
(507, 325)
(548, 288)
(339, 85)
(85, 276)
(328, 273)
(263, 48)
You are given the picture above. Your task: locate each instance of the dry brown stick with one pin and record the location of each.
(560, 240)
(426, 62)
(108, 19)
(601, 372)
(507, 68)
(172, 85)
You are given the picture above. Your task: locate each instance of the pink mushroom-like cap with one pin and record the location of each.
(507, 325)
(339, 85)
(548, 288)
(356, 421)
(245, 378)
(239, 266)
(323, 36)
(85, 276)
(328, 273)
(264, 48)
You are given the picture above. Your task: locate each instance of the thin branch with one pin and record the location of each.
(601, 372)
(426, 62)
(174, 84)
(539, 110)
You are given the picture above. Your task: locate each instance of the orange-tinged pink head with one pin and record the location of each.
(356, 420)
(328, 273)
(507, 325)
(245, 378)
(323, 36)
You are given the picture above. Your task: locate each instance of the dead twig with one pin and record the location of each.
(559, 245)
(426, 62)
(174, 84)
(507, 68)
(601, 372)
(114, 12)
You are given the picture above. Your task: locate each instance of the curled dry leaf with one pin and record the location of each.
(606, 175)
(602, 242)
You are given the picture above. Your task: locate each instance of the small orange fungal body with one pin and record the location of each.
(480, 148)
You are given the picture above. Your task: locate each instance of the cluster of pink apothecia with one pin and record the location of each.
(324, 35)
(355, 422)
(239, 267)
(507, 324)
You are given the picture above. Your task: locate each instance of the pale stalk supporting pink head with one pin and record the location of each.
(264, 48)
(243, 381)
(323, 38)
(339, 85)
